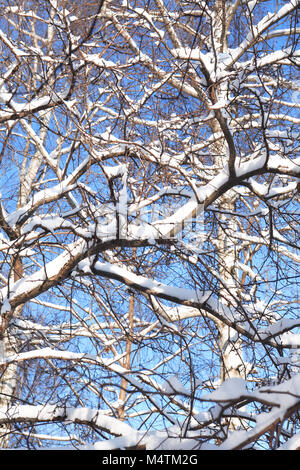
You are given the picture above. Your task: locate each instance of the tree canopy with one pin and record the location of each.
(149, 224)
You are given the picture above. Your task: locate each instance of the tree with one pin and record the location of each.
(149, 224)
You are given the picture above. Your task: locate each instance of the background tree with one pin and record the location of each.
(149, 224)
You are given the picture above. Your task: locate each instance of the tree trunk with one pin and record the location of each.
(8, 378)
(126, 362)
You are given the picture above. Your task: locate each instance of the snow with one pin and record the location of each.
(78, 415)
(35, 281)
(281, 398)
(193, 138)
(40, 198)
(114, 171)
(152, 286)
(47, 222)
(291, 444)
(257, 30)
(251, 4)
(2, 351)
(99, 61)
(278, 328)
(5, 96)
(251, 166)
(219, 104)
(231, 389)
(33, 105)
(173, 385)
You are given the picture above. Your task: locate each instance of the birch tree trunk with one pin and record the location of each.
(9, 343)
(229, 343)
(8, 379)
(144, 105)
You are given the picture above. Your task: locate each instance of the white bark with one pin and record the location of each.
(136, 107)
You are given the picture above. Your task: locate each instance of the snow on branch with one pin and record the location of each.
(284, 399)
